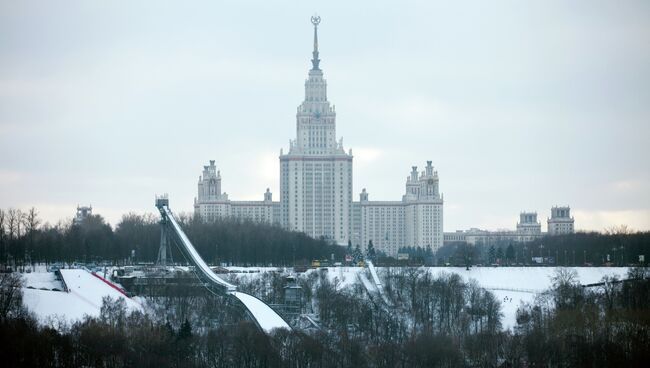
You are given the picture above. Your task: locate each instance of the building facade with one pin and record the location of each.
(415, 221)
(528, 228)
(316, 173)
(560, 221)
(316, 177)
(211, 204)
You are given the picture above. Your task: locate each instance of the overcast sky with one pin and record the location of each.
(521, 105)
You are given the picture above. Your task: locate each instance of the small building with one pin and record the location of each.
(292, 292)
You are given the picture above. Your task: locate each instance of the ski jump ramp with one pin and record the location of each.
(263, 315)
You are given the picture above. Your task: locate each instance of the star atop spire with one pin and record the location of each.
(315, 20)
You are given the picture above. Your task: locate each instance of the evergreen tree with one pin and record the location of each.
(349, 249)
(357, 255)
(499, 256)
(491, 255)
(370, 252)
(185, 331)
(510, 253)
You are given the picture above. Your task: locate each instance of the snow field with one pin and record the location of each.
(84, 298)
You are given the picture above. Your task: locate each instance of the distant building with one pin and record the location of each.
(316, 187)
(560, 221)
(415, 221)
(82, 213)
(528, 228)
(212, 204)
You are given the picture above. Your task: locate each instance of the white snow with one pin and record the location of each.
(366, 283)
(524, 283)
(43, 279)
(266, 317)
(84, 298)
(345, 276)
(528, 278)
(373, 272)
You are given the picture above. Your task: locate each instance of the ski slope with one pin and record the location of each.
(85, 296)
(266, 318)
(195, 258)
(264, 315)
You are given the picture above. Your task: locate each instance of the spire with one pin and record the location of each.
(315, 20)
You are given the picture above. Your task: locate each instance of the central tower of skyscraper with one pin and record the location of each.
(316, 173)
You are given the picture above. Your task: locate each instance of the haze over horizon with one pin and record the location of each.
(520, 106)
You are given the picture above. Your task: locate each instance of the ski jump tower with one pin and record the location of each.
(263, 315)
(165, 251)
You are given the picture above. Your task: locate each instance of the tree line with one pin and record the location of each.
(612, 248)
(24, 240)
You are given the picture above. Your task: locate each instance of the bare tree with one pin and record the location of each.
(13, 223)
(31, 222)
(3, 216)
(11, 296)
(3, 248)
(622, 229)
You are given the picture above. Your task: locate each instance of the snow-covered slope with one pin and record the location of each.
(84, 298)
(511, 285)
(266, 317)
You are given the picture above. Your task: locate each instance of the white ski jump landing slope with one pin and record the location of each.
(373, 272)
(265, 316)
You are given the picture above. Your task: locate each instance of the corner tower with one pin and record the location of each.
(316, 173)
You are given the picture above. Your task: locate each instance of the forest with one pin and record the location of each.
(24, 240)
(429, 321)
(615, 247)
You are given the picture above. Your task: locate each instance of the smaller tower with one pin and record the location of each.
(268, 196)
(164, 250)
(412, 186)
(83, 212)
(528, 228)
(561, 221)
(363, 196)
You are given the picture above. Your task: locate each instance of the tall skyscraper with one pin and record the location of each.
(316, 173)
(316, 187)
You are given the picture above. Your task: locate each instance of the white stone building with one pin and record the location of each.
(316, 187)
(212, 204)
(560, 221)
(415, 221)
(528, 228)
(316, 173)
